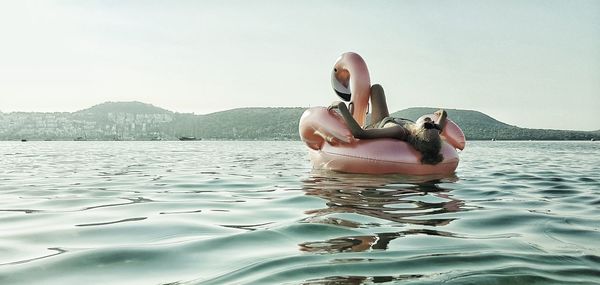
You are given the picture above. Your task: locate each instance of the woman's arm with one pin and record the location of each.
(395, 132)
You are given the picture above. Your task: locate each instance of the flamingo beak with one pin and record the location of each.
(342, 91)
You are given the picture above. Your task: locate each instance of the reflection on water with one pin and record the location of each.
(357, 280)
(393, 201)
(57, 250)
(254, 213)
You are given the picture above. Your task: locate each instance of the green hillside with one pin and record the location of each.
(462, 117)
(475, 125)
(282, 124)
(133, 107)
(140, 121)
(245, 124)
(479, 126)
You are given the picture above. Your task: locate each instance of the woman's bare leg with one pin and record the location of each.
(379, 109)
(396, 132)
(353, 125)
(442, 118)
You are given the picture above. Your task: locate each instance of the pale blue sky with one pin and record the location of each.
(528, 63)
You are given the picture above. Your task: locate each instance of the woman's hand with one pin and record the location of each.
(335, 105)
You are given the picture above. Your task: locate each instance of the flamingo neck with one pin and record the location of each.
(360, 85)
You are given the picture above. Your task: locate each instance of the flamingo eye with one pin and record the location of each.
(335, 70)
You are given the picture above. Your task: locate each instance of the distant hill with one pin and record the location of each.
(475, 125)
(141, 121)
(133, 107)
(242, 123)
(479, 126)
(282, 123)
(461, 117)
(245, 124)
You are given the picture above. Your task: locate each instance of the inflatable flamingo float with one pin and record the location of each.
(332, 146)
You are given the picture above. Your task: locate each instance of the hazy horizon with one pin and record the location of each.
(292, 107)
(534, 64)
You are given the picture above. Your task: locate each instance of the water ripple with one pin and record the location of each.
(255, 213)
(112, 222)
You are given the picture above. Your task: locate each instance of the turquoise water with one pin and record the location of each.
(255, 213)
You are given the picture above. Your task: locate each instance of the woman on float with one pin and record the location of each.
(424, 135)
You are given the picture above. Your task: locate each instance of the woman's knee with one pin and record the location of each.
(376, 89)
(377, 94)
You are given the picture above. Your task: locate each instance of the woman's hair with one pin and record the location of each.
(428, 143)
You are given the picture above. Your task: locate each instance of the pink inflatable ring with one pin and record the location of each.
(332, 146)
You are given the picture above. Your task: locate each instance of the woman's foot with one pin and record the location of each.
(442, 118)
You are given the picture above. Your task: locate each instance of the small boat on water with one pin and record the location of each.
(189, 139)
(23, 140)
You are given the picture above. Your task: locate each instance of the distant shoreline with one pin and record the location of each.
(272, 140)
(137, 121)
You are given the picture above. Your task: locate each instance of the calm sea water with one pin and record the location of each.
(255, 213)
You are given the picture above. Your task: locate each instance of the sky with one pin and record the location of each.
(532, 64)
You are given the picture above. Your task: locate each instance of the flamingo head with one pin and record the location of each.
(340, 81)
(351, 82)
